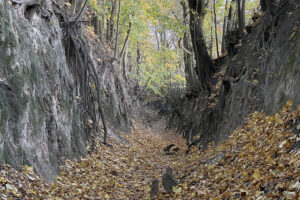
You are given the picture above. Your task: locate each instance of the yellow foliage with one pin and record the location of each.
(258, 155)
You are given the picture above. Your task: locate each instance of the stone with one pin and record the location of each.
(40, 115)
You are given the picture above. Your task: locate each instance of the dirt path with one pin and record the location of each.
(237, 169)
(123, 171)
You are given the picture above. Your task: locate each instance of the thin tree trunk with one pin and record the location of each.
(95, 23)
(124, 64)
(126, 41)
(138, 62)
(74, 4)
(110, 23)
(211, 44)
(216, 29)
(100, 21)
(146, 85)
(224, 28)
(124, 51)
(79, 15)
(243, 13)
(138, 53)
(240, 17)
(117, 32)
(230, 24)
(101, 27)
(157, 38)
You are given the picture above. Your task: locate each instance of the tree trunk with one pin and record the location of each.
(95, 23)
(111, 22)
(244, 13)
(263, 5)
(122, 55)
(140, 94)
(81, 11)
(224, 28)
(230, 23)
(276, 7)
(100, 21)
(138, 62)
(270, 5)
(126, 41)
(239, 10)
(124, 64)
(211, 42)
(216, 29)
(192, 84)
(117, 33)
(73, 7)
(203, 60)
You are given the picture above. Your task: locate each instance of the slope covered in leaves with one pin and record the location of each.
(261, 160)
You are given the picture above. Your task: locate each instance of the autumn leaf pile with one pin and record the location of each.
(261, 160)
(118, 172)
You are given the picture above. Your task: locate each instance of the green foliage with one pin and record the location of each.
(156, 28)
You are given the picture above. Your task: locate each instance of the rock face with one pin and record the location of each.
(113, 85)
(262, 76)
(271, 64)
(40, 116)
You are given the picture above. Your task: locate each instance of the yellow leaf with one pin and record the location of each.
(245, 173)
(256, 174)
(289, 103)
(177, 189)
(270, 120)
(292, 35)
(218, 198)
(32, 192)
(255, 82)
(287, 145)
(28, 170)
(278, 119)
(287, 106)
(94, 85)
(2, 180)
(18, 195)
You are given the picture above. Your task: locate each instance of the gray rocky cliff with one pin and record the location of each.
(40, 114)
(262, 76)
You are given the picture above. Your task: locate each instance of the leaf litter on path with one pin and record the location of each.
(260, 160)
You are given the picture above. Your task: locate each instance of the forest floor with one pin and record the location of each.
(261, 160)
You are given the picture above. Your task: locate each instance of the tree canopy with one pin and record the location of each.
(152, 37)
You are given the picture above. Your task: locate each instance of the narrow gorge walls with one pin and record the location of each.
(39, 116)
(40, 112)
(262, 76)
